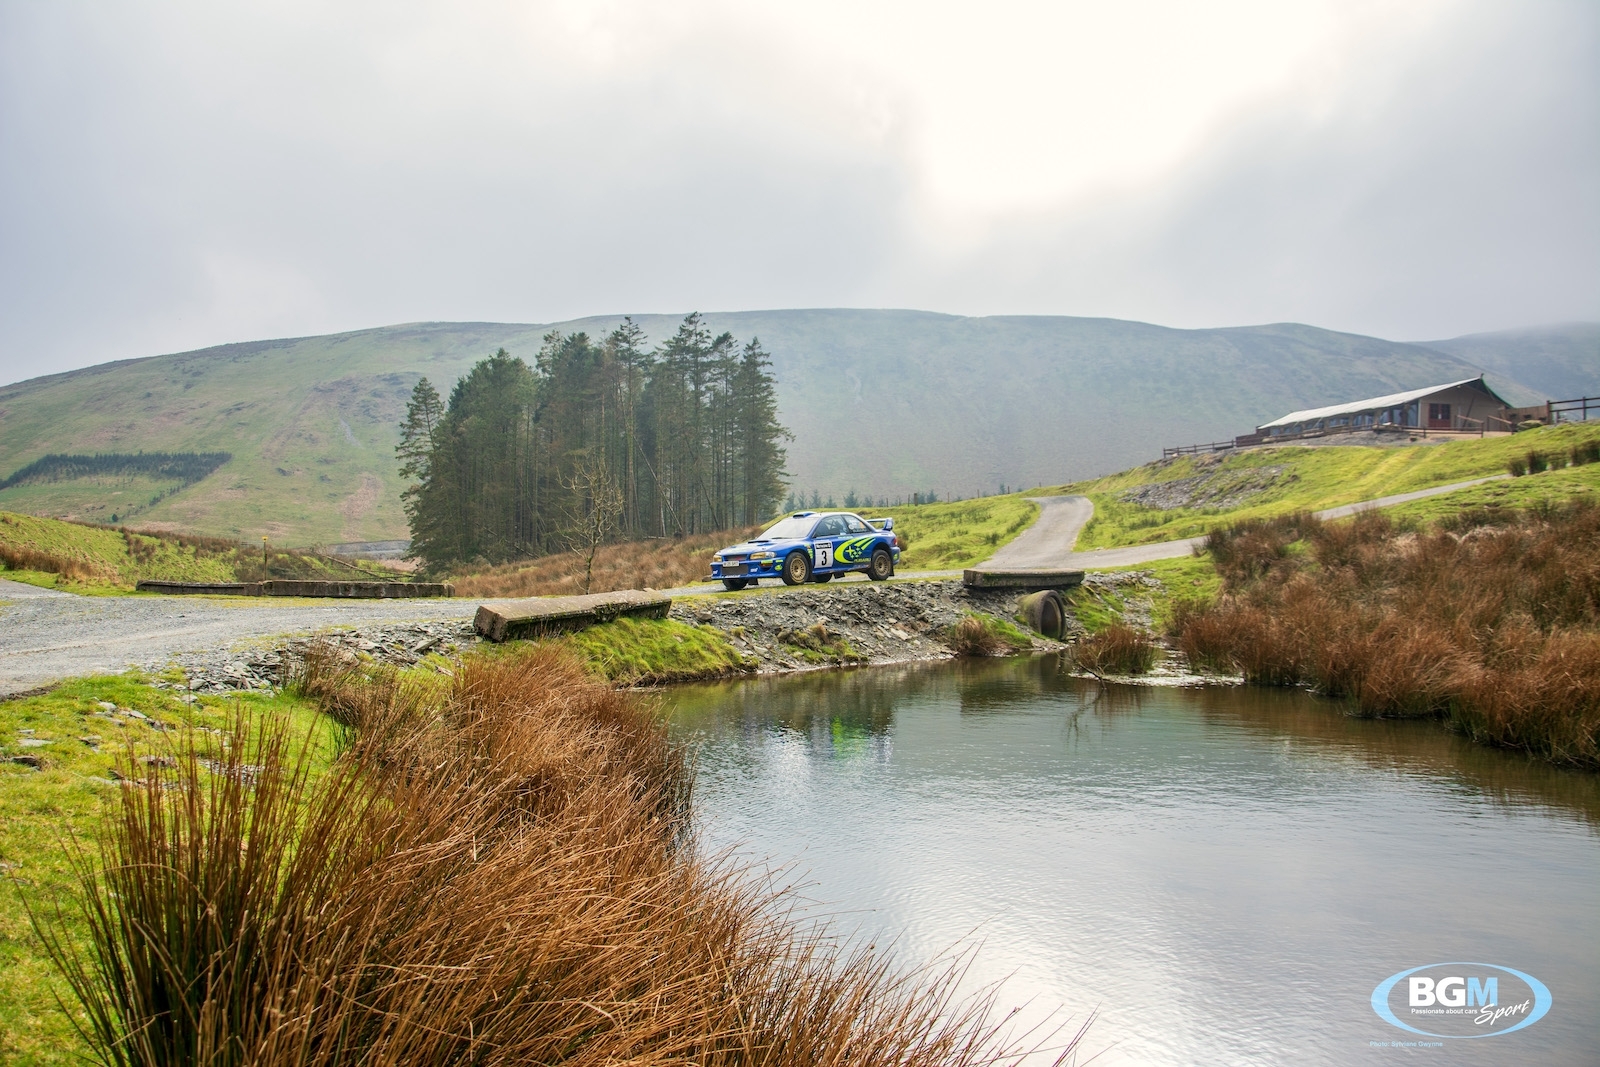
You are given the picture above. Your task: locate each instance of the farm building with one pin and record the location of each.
(1467, 405)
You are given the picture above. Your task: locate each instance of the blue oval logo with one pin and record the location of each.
(1462, 1000)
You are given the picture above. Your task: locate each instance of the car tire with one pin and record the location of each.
(882, 565)
(733, 585)
(796, 568)
(822, 579)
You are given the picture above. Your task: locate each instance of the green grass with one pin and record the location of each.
(1185, 578)
(1312, 479)
(1551, 487)
(654, 651)
(962, 533)
(98, 560)
(44, 812)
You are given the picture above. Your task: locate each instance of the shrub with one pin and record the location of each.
(1585, 452)
(1517, 465)
(1117, 649)
(1538, 463)
(1493, 620)
(985, 635)
(1250, 549)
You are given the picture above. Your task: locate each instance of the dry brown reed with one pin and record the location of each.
(971, 637)
(665, 563)
(23, 558)
(1117, 649)
(1491, 619)
(497, 872)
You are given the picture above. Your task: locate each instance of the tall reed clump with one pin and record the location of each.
(498, 870)
(1491, 620)
(1117, 649)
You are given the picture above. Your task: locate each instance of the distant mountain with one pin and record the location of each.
(1556, 362)
(883, 402)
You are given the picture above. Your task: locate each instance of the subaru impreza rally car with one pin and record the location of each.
(811, 546)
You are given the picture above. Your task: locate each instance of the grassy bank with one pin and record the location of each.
(1198, 493)
(496, 867)
(1490, 619)
(41, 811)
(958, 534)
(92, 560)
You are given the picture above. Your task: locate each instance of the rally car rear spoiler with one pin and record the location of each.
(881, 524)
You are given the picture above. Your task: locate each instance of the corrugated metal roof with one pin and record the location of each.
(1393, 400)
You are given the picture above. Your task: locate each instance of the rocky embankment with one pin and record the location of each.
(857, 622)
(778, 629)
(268, 666)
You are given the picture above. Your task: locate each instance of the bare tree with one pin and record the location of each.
(597, 509)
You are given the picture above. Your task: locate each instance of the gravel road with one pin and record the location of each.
(45, 638)
(46, 635)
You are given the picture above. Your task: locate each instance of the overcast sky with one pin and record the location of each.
(176, 175)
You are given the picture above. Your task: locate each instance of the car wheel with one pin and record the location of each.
(882, 565)
(796, 569)
(822, 578)
(733, 585)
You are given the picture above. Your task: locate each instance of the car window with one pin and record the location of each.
(855, 525)
(832, 526)
(795, 526)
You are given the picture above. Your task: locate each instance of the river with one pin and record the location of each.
(1224, 875)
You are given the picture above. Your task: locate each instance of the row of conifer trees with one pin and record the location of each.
(599, 440)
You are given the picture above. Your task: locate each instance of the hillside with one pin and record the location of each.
(883, 402)
(104, 560)
(1193, 495)
(1557, 362)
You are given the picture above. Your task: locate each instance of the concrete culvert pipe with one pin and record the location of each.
(1045, 613)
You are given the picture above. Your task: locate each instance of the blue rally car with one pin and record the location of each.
(811, 546)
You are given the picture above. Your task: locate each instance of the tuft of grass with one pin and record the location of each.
(816, 644)
(41, 811)
(984, 635)
(501, 873)
(1117, 649)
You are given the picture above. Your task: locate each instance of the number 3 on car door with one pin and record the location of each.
(824, 554)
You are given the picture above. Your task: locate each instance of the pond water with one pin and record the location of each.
(1224, 875)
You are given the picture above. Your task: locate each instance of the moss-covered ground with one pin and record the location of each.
(1313, 478)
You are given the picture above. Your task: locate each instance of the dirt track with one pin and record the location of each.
(46, 636)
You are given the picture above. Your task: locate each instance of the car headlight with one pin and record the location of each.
(764, 555)
(717, 558)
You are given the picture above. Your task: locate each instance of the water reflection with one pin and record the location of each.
(1225, 873)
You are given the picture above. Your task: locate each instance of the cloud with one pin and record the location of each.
(179, 175)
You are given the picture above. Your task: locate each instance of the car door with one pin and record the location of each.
(824, 540)
(854, 549)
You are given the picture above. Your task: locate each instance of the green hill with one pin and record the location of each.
(883, 402)
(1557, 362)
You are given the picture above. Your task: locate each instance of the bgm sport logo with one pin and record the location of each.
(1461, 1000)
